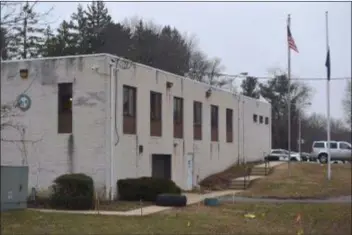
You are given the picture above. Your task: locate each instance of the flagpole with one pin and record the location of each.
(328, 96)
(289, 99)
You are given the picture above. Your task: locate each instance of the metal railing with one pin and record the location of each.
(266, 163)
(246, 177)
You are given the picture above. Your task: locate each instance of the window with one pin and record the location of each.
(155, 114)
(65, 108)
(129, 101)
(260, 119)
(214, 115)
(197, 113)
(178, 110)
(229, 125)
(319, 145)
(344, 146)
(178, 117)
(333, 145)
(266, 121)
(255, 117)
(129, 110)
(155, 106)
(197, 120)
(276, 152)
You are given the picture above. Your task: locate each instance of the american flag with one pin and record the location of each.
(291, 41)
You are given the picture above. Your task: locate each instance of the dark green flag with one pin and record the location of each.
(328, 65)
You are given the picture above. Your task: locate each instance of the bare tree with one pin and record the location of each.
(23, 26)
(9, 124)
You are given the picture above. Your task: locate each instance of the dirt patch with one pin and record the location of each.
(222, 180)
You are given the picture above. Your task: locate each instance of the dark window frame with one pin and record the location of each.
(333, 145)
(255, 118)
(229, 119)
(64, 114)
(197, 113)
(155, 106)
(319, 143)
(178, 110)
(261, 119)
(229, 125)
(266, 121)
(346, 145)
(129, 107)
(214, 112)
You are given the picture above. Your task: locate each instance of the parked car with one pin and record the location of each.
(306, 157)
(282, 155)
(295, 156)
(339, 151)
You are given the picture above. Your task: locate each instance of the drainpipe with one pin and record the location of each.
(238, 130)
(112, 111)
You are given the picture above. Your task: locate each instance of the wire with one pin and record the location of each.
(234, 76)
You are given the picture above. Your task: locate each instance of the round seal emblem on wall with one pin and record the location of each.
(24, 102)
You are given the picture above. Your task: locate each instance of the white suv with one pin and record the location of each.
(339, 151)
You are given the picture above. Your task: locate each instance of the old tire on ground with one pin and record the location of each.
(323, 158)
(173, 200)
(211, 202)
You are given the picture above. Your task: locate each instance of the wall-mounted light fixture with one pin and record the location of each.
(24, 73)
(208, 93)
(169, 85)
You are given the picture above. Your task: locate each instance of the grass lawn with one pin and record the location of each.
(270, 219)
(103, 206)
(306, 180)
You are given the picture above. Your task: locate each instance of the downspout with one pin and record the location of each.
(238, 130)
(112, 128)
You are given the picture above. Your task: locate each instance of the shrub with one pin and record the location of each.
(145, 188)
(73, 192)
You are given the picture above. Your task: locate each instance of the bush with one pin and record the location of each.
(145, 188)
(73, 192)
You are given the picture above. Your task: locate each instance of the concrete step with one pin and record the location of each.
(239, 184)
(261, 171)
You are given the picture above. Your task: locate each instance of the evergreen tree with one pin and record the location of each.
(3, 43)
(49, 47)
(65, 41)
(116, 33)
(80, 30)
(97, 19)
(250, 87)
(173, 51)
(144, 45)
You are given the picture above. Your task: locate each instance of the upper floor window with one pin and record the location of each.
(178, 110)
(197, 113)
(214, 116)
(155, 106)
(255, 117)
(129, 101)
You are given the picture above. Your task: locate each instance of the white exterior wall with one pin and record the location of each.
(48, 157)
(209, 157)
(91, 124)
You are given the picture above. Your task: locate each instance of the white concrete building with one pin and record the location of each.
(114, 119)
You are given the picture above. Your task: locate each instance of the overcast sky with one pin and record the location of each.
(251, 36)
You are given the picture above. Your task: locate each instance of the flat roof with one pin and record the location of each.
(261, 99)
